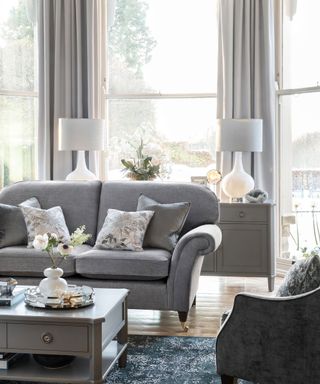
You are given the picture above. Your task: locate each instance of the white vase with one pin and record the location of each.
(53, 285)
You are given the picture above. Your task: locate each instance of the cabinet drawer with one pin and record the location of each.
(48, 337)
(230, 213)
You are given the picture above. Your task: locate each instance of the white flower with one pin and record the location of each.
(40, 242)
(54, 236)
(65, 249)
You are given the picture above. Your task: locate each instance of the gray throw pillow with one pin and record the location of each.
(123, 230)
(41, 221)
(303, 276)
(167, 222)
(13, 229)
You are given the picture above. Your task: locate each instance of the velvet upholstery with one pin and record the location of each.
(271, 340)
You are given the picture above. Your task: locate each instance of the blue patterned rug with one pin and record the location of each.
(170, 360)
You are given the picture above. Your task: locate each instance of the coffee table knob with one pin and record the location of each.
(47, 338)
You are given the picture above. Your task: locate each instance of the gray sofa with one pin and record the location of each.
(156, 278)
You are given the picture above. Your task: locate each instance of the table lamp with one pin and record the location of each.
(81, 135)
(238, 135)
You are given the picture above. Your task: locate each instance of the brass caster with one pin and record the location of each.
(184, 326)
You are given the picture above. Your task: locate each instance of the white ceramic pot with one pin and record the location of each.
(53, 285)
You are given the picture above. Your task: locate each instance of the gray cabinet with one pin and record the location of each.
(247, 247)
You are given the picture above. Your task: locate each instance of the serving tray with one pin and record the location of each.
(75, 297)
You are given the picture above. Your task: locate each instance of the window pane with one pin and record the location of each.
(167, 46)
(18, 120)
(300, 168)
(17, 48)
(301, 31)
(179, 133)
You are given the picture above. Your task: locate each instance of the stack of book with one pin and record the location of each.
(16, 296)
(7, 359)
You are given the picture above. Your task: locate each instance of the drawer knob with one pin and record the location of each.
(47, 338)
(242, 214)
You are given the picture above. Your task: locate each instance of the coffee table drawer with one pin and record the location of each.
(50, 337)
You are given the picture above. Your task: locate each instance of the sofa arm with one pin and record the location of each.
(186, 264)
(271, 339)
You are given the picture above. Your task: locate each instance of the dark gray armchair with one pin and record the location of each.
(271, 340)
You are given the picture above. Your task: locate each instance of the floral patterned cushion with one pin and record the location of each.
(41, 221)
(124, 230)
(303, 276)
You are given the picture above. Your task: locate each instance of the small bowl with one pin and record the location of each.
(53, 361)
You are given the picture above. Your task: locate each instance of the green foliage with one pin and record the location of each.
(141, 168)
(6, 175)
(179, 153)
(18, 25)
(130, 47)
(79, 237)
(130, 37)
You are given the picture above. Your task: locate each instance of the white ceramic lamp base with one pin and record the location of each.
(238, 182)
(81, 172)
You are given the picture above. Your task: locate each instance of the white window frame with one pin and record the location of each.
(282, 188)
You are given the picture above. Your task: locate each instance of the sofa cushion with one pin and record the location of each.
(13, 229)
(23, 261)
(166, 223)
(124, 230)
(79, 200)
(41, 221)
(150, 264)
(302, 277)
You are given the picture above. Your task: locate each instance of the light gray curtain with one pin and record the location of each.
(246, 79)
(70, 74)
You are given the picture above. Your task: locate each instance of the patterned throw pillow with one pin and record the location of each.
(13, 229)
(124, 230)
(303, 276)
(40, 221)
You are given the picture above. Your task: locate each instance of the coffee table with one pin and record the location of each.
(97, 335)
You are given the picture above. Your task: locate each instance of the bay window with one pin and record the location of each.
(18, 91)
(162, 65)
(299, 122)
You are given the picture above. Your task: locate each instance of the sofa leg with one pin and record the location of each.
(194, 301)
(225, 379)
(183, 320)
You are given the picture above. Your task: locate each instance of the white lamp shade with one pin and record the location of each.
(239, 135)
(81, 134)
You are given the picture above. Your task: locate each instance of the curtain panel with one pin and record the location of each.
(71, 75)
(246, 80)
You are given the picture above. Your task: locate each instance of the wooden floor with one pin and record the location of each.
(215, 295)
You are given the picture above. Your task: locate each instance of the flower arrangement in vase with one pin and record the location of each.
(53, 285)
